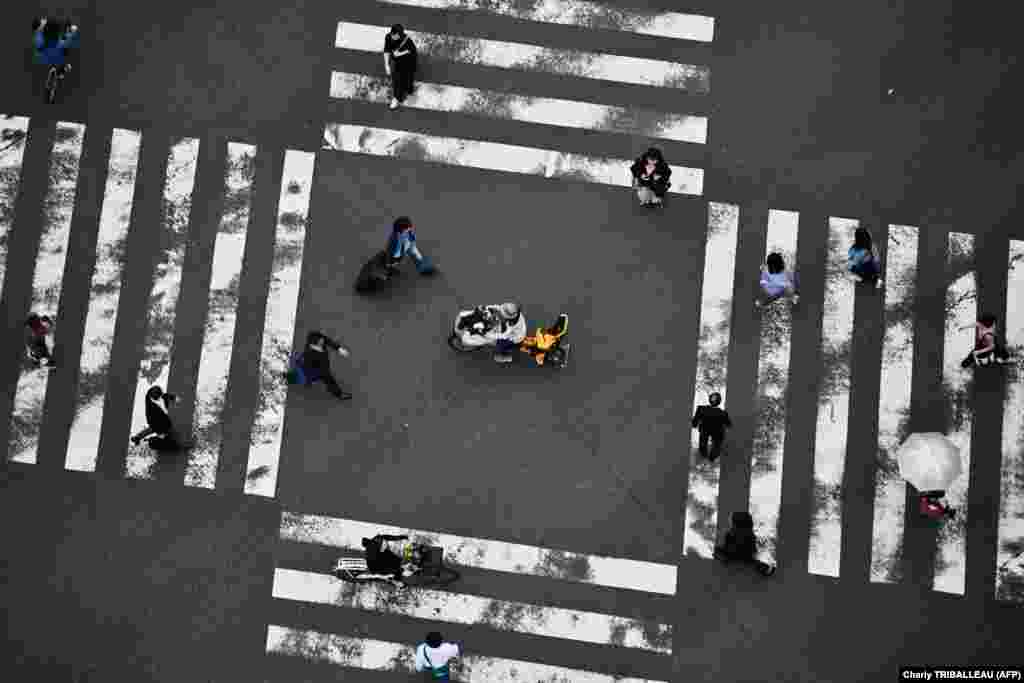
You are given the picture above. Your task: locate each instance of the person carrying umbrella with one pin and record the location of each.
(930, 462)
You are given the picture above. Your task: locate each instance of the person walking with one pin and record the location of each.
(158, 420)
(403, 242)
(316, 363)
(400, 64)
(651, 177)
(37, 329)
(931, 506)
(776, 281)
(862, 263)
(740, 544)
(435, 655)
(987, 347)
(711, 421)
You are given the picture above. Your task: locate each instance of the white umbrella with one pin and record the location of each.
(929, 461)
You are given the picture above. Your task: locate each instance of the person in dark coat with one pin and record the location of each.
(710, 421)
(399, 63)
(740, 544)
(651, 177)
(158, 420)
(316, 362)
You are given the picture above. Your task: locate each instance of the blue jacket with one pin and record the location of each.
(54, 53)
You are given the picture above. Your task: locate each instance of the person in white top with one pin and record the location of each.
(434, 656)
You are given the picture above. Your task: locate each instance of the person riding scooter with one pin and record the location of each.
(380, 559)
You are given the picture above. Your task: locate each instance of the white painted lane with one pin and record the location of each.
(1010, 554)
(538, 620)
(825, 544)
(13, 135)
(894, 402)
(279, 325)
(525, 57)
(585, 14)
(163, 296)
(104, 295)
(961, 315)
(546, 110)
(368, 653)
(219, 330)
(700, 514)
(491, 555)
(497, 157)
(58, 207)
(772, 386)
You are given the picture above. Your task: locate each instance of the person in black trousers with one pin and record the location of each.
(711, 422)
(158, 421)
(740, 544)
(400, 64)
(316, 362)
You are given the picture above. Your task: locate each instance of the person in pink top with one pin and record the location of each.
(776, 281)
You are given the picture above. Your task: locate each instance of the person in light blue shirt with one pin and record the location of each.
(862, 263)
(402, 242)
(776, 282)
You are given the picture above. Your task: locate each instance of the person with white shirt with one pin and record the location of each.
(435, 655)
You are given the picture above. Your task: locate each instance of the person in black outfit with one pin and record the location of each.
(380, 559)
(651, 177)
(400, 63)
(711, 422)
(740, 544)
(317, 364)
(158, 421)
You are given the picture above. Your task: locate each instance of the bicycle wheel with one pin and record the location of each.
(444, 576)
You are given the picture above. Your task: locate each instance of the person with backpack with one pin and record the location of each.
(710, 421)
(434, 656)
(740, 544)
(861, 261)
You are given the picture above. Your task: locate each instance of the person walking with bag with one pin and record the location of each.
(316, 363)
(435, 655)
(400, 64)
(651, 177)
(987, 348)
(862, 263)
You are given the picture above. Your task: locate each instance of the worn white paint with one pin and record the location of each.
(13, 136)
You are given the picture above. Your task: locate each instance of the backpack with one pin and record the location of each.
(442, 673)
(295, 374)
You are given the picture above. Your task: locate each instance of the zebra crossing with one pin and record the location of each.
(116, 220)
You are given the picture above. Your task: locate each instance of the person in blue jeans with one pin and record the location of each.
(862, 263)
(51, 42)
(435, 655)
(402, 242)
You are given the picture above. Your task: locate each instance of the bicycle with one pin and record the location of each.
(56, 72)
(424, 567)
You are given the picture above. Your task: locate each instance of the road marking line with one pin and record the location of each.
(585, 14)
(545, 110)
(491, 555)
(58, 208)
(219, 331)
(496, 156)
(105, 293)
(524, 57)
(12, 152)
(279, 324)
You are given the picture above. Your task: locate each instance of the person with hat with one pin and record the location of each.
(435, 655)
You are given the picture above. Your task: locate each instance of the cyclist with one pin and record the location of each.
(380, 559)
(51, 40)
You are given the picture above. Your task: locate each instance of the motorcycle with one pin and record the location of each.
(480, 328)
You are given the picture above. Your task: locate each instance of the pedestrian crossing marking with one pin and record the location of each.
(961, 315)
(772, 387)
(524, 57)
(489, 554)
(496, 156)
(279, 325)
(48, 280)
(585, 14)
(455, 608)
(833, 405)
(12, 152)
(700, 513)
(894, 402)
(544, 110)
(367, 653)
(219, 330)
(1009, 583)
(105, 294)
(158, 348)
